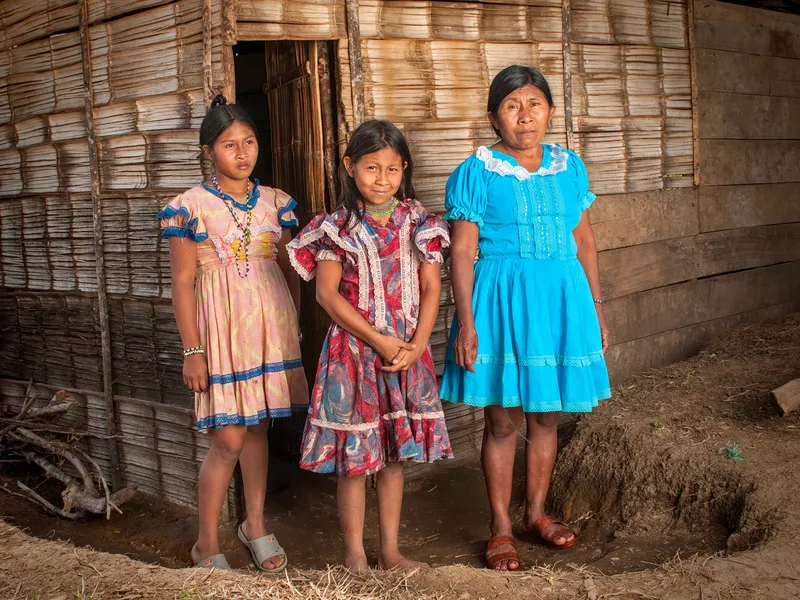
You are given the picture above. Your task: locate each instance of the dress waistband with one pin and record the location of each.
(525, 258)
(218, 266)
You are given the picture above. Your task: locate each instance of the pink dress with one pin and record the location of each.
(361, 416)
(248, 325)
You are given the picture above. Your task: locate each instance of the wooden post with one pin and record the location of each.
(229, 39)
(326, 105)
(208, 84)
(566, 48)
(97, 220)
(693, 78)
(356, 64)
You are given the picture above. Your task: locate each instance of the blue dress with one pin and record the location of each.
(539, 343)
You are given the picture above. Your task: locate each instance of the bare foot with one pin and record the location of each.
(398, 562)
(356, 562)
(253, 532)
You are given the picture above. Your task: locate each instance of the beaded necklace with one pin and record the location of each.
(245, 229)
(382, 210)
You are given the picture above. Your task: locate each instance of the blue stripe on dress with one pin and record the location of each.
(222, 419)
(290, 206)
(255, 372)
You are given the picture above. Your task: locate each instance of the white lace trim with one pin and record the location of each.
(503, 167)
(374, 261)
(431, 233)
(407, 268)
(329, 229)
(231, 237)
(375, 424)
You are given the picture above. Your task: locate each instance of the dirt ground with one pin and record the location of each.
(651, 480)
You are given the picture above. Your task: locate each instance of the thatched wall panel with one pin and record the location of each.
(146, 351)
(162, 160)
(50, 338)
(40, 169)
(24, 20)
(136, 257)
(10, 174)
(66, 261)
(149, 53)
(31, 131)
(7, 137)
(73, 165)
(638, 22)
(5, 101)
(290, 19)
(32, 94)
(102, 10)
(67, 126)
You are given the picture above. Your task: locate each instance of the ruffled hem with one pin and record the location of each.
(461, 213)
(396, 437)
(222, 419)
(587, 200)
(535, 361)
(291, 222)
(581, 406)
(183, 226)
(258, 371)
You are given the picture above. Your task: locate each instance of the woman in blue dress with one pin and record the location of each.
(529, 335)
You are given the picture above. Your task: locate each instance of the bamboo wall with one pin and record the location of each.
(678, 262)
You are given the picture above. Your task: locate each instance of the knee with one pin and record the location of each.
(501, 426)
(546, 421)
(227, 448)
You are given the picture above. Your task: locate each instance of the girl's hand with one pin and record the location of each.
(390, 348)
(466, 348)
(601, 317)
(195, 372)
(406, 358)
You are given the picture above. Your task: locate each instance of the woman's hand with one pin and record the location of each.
(601, 317)
(392, 349)
(195, 372)
(465, 347)
(406, 358)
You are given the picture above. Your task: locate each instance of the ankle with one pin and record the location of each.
(501, 525)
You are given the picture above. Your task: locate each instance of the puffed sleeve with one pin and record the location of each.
(320, 240)
(431, 236)
(465, 193)
(585, 197)
(180, 218)
(286, 205)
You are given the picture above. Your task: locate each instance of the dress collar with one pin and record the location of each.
(554, 160)
(250, 205)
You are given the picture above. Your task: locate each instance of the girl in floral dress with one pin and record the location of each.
(375, 403)
(235, 298)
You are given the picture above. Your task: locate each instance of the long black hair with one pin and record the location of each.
(510, 79)
(373, 136)
(219, 117)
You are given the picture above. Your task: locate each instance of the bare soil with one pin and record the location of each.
(650, 480)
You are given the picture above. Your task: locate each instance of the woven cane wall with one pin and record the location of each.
(146, 67)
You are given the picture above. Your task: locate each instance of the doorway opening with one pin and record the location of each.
(289, 87)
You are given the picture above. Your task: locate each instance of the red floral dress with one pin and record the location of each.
(360, 416)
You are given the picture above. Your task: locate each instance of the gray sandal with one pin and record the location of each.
(264, 548)
(217, 561)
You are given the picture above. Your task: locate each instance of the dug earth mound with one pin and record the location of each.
(695, 451)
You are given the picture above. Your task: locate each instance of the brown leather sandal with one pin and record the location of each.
(548, 529)
(494, 555)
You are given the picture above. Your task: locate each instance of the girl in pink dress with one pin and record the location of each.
(235, 298)
(375, 402)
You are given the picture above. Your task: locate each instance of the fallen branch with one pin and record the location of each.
(80, 494)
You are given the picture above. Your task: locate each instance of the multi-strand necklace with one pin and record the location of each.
(244, 228)
(381, 210)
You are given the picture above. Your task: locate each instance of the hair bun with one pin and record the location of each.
(218, 100)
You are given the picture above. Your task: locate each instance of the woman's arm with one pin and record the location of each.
(463, 249)
(430, 289)
(183, 262)
(329, 275)
(291, 276)
(587, 255)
